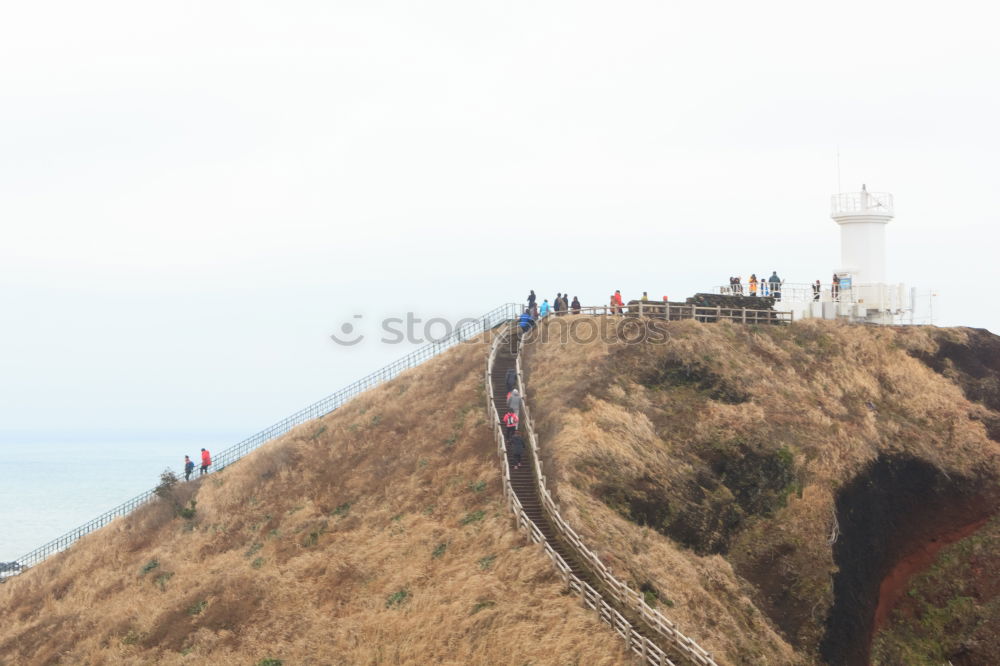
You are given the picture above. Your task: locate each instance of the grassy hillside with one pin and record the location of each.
(758, 483)
(376, 535)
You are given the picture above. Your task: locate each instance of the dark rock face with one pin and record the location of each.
(975, 366)
(732, 302)
(671, 372)
(732, 482)
(885, 513)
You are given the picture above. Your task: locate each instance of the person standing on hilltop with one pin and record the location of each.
(531, 299)
(836, 287)
(557, 304)
(576, 305)
(188, 468)
(753, 285)
(618, 301)
(816, 289)
(775, 285)
(206, 460)
(544, 311)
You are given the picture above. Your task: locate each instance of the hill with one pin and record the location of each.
(814, 493)
(772, 488)
(376, 534)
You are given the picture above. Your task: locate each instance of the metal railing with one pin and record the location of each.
(851, 203)
(790, 292)
(649, 651)
(467, 331)
(888, 297)
(679, 312)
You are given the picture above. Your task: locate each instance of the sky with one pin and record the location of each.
(194, 196)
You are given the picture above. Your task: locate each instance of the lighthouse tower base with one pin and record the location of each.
(885, 304)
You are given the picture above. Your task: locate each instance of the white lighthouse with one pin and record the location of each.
(859, 290)
(862, 217)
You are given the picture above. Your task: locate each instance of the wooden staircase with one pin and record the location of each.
(523, 478)
(525, 487)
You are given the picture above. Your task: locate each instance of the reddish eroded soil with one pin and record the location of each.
(894, 518)
(895, 584)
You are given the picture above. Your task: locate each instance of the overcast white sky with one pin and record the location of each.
(194, 195)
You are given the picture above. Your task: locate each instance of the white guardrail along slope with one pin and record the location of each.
(468, 330)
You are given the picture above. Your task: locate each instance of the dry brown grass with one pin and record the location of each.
(302, 551)
(608, 419)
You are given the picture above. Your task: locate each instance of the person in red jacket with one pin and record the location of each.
(206, 460)
(510, 421)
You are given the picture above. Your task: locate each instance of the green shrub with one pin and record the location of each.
(397, 598)
(482, 605)
(167, 482)
(187, 512)
(439, 551)
(149, 566)
(162, 579)
(473, 517)
(197, 608)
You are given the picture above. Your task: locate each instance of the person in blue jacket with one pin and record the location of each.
(188, 468)
(544, 310)
(525, 322)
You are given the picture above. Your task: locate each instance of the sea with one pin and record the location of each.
(50, 488)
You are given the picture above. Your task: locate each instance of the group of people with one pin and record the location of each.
(562, 305)
(206, 462)
(766, 287)
(834, 288)
(511, 419)
(559, 306)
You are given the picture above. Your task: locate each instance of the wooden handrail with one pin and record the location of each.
(619, 590)
(678, 311)
(649, 651)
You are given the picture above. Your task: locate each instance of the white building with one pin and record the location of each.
(858, 290)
